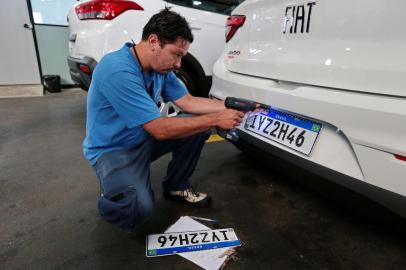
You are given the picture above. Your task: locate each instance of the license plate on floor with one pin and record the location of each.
(294, 132)
(177, 242)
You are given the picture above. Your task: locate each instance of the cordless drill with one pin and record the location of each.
(242, 105)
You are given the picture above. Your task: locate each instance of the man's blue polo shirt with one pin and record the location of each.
(118, 104)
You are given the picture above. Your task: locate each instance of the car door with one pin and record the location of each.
(19, 63)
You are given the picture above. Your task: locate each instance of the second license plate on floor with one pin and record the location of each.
(294, 132)
(177, 242)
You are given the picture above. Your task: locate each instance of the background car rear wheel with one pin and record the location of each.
(194, 81)
(169, 109)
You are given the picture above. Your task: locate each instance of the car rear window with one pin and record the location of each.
(217, 6)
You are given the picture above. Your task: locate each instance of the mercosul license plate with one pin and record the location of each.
(294, 132)
(177, 242)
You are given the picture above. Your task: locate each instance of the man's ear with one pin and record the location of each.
(153, 41)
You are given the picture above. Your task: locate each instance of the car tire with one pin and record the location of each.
(187, 80)
(192, 74)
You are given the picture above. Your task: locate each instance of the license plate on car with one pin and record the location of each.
(294, 132)
(177, 242)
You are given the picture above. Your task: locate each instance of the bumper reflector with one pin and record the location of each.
(84, 68)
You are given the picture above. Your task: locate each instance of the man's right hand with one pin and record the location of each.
(229, 119)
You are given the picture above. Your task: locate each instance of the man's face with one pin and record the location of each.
(168, 57)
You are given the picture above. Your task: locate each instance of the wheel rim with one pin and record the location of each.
(168, 109)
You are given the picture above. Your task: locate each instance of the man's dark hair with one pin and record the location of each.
(168, 26)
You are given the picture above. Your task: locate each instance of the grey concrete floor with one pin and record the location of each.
(49, 218)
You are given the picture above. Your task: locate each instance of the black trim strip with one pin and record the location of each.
(35, 39)
(47, 24)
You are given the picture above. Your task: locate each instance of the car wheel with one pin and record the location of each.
(169, 109)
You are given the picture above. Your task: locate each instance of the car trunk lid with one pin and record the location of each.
(357, 46)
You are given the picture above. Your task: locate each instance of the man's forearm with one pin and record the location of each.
(199, 105)
(181, 127)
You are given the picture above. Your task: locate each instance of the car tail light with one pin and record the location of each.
(104, 9)
(403, 158)
(233, 23)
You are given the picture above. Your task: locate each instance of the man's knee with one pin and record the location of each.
(123, 208)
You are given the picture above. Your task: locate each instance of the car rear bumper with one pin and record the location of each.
(390, 200)
(356, 146)
(78, 76)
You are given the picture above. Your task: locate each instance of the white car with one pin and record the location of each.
(333, 73)
(97, 27)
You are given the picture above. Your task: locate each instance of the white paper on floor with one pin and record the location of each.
(211, 259)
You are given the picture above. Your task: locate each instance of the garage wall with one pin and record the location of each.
(53, 49)
(51, 29)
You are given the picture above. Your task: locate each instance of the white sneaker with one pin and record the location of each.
(189, 196)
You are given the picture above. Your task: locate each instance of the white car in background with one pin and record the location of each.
(97, 27)
(333, 73)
